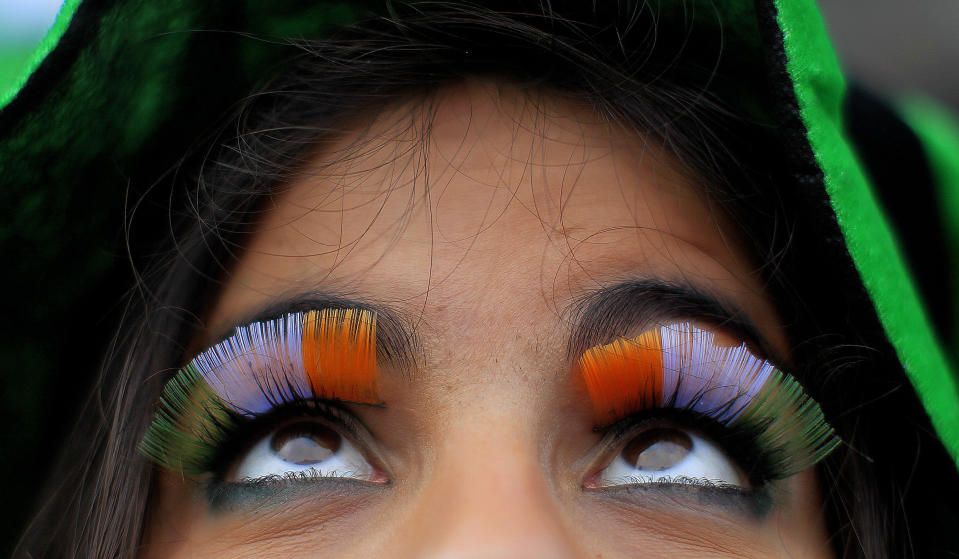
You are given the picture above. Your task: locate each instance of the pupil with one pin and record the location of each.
(658, 449)
(305, 443)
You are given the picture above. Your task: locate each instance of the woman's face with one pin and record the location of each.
(517, 235)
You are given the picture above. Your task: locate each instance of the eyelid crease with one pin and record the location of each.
(396, 340)
(634, 305)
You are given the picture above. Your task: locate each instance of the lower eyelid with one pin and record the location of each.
(753, 504)
(227, 497)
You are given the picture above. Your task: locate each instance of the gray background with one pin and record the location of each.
(895, 46)
(899, 47)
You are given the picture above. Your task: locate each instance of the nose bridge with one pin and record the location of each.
(489, 497)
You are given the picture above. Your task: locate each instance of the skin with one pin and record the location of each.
(488, 442)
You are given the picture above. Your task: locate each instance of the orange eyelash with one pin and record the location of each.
(339, 354)
(624, 377)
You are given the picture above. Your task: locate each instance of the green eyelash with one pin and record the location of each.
(189, 426)
(789, 425)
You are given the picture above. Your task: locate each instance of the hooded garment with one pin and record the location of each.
(118, 90)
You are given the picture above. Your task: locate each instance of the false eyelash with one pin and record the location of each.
(679, 367)
(314, 356)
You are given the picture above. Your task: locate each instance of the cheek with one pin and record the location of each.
(625, 529)
(803, 528)
(303, 523)
(652, 524)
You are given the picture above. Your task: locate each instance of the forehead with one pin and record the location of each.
(481, 205)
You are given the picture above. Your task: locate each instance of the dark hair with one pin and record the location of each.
(662, 75)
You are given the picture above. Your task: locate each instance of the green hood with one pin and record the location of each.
(115, 84)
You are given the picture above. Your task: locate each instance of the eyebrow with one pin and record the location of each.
(395, 341)
(615, 311)
(598, 318)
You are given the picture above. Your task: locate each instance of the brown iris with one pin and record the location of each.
(658, 449)
(305, 443)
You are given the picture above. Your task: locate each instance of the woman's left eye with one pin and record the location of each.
(669, 455)
(306, 448)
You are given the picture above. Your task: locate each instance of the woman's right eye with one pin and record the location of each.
(305, 448)
(669, 455)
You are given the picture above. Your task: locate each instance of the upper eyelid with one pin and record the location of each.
(330, 411)
(622, 429)
(758, 347)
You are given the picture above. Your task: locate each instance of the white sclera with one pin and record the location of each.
(704, 461)
(262, 461)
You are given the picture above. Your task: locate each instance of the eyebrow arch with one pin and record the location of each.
(395, 341)
(614, 311)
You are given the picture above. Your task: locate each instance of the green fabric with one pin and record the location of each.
(50, 41)
(13, 59)
(819, 88)
(91, 125)
(117, 105)
(938, 131)
(110, 110)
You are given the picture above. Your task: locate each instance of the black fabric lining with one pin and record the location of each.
(898, 169)
(895, 164)
(879, 509)
(822, 240)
